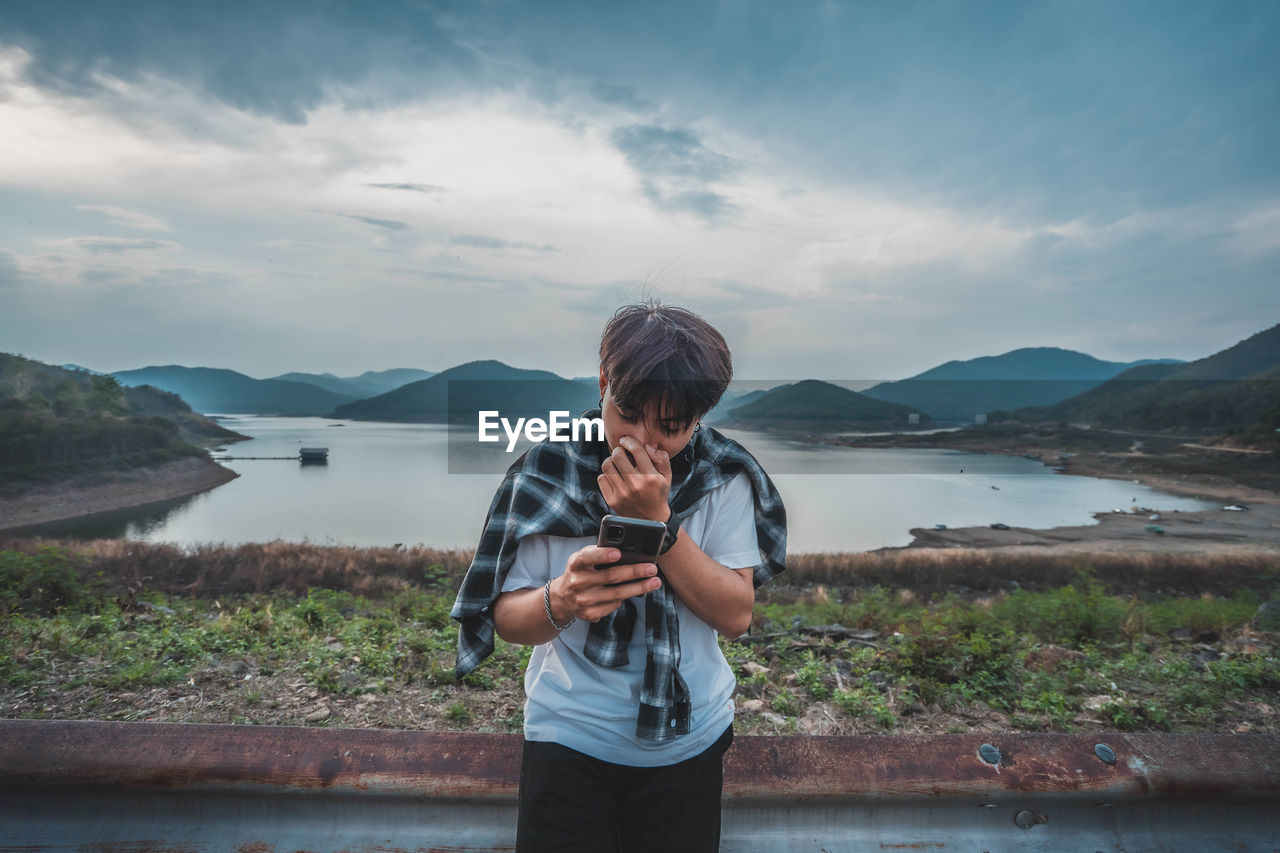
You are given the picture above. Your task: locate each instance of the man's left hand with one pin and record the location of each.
(636, 480)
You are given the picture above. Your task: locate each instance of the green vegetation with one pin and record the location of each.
(1066, 659)
(80, 640)
(55, 423)
(62, 632)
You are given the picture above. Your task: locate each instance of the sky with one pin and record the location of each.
(846, 190)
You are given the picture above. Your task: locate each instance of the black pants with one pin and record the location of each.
(573, 803)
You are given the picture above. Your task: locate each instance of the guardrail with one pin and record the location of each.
(116, 787)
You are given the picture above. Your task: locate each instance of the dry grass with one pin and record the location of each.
(932, 571)
(208, 571)
(220, 570)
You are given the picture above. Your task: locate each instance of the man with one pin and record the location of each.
(629, 705)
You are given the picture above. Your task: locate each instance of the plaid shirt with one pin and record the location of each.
(552, 490)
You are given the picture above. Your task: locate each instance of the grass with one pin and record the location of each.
(83, 627)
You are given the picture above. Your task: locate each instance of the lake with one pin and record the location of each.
(386, 483)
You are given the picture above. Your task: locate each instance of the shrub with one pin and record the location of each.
(43, 583)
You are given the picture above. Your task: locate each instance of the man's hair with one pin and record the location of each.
(654, 353)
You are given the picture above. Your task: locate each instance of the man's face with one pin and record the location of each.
(653, 426)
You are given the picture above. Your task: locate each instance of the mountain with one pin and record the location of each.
(210, 389)
(56, 422)
(732, 400)
(331, 383)
(374, 382)
(815, 406)
(459, 393)
(367, 384)
(1033, 376)
(1235, 390)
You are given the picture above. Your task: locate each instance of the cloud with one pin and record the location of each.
(704, 203)
(419, 188)
(389, 224)
(480, 241)
(1258, 231)
(671, 154)
(287, 60)
(676, 170)
(10, 272)
(617, 95)
(890, 207)
(127, 218)
(117, 245)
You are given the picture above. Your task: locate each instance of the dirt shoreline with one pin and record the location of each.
(1213, 531)
(114, 491)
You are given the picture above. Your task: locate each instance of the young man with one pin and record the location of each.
(629, 705)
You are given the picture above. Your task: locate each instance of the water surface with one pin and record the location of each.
(387, 483)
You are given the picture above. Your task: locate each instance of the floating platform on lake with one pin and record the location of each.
(305, 455)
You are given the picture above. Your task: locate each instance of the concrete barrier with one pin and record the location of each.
(116, 787)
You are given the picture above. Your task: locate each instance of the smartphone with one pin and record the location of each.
(638, 539)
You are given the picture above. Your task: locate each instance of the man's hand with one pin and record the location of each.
(636, 480)
(584, 591)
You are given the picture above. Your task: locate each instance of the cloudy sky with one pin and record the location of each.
(847, 190)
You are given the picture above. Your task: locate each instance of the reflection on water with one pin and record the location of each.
(386, 483)
(117, 524)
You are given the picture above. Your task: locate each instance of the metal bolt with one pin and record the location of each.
(990, 754)
(1105, 753)
(1026, 819)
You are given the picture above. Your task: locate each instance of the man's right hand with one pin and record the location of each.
(591, 594)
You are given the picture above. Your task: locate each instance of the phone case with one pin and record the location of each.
(638, 539)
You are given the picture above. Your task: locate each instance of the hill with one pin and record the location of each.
(368, 384)
(210, 389)
(328, 382)
(732, 400)
(458, 393)
(56, 422)
(382, 381)
(815, 406)
(1234, 391)
(1033, 376)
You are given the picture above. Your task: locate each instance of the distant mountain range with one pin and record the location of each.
(1045, 383)
(1237, 389)
(814, 406)
(458, 393)
(1033, 376)
(368, 384)
(209, 389)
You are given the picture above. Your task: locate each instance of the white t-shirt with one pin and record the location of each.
(577, 703)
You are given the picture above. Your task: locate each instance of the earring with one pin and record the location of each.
(697, 427)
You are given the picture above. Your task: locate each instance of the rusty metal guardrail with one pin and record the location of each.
(115, 787)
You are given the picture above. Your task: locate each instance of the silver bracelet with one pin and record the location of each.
(546, 602)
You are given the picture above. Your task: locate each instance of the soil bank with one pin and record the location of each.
(112, 491)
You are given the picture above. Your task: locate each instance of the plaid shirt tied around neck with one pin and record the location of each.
(552, 490)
